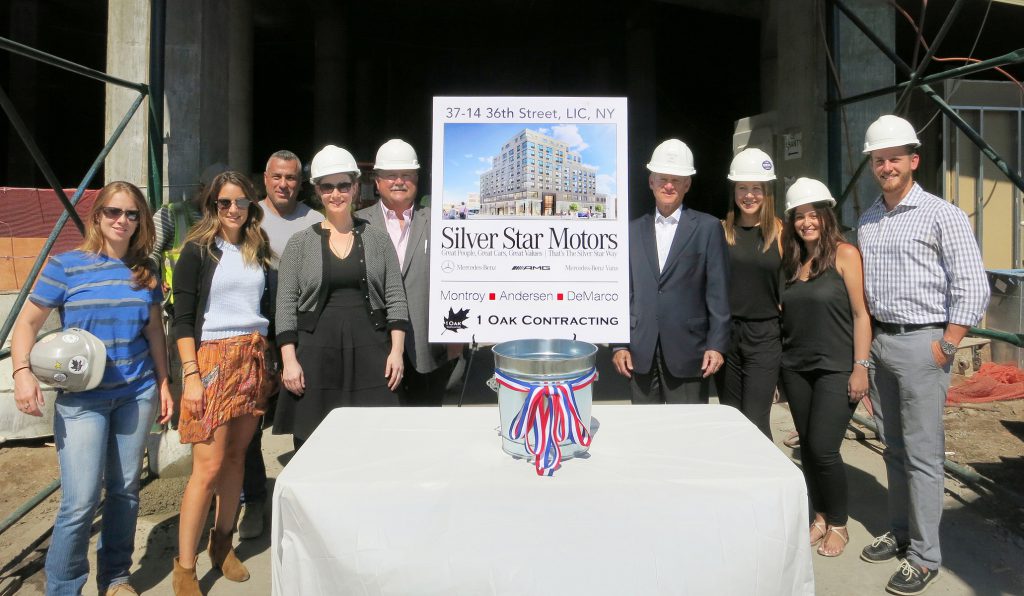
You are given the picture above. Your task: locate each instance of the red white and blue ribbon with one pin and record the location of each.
(549, 416)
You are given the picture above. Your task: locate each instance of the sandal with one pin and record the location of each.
(838, 531)
(821, 527)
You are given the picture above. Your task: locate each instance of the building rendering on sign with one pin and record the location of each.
(537, 175)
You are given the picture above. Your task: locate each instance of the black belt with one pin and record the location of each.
(899, 329)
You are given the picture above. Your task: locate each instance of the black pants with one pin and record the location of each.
(821, 411)
(425, 389)
(254, 482)
(748, 378)
(658, 386)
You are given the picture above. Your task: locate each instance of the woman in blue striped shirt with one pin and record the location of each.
(105, 287)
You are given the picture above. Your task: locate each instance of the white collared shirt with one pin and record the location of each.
(664, 232)
(398, 230)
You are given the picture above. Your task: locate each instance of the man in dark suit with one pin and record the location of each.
(427, 366)
(678, 298)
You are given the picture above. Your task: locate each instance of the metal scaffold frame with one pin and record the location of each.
(918, 81)
(153, 90)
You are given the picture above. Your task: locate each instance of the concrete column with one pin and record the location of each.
(240, 90)
(799, 91)
(127, 58)
(330, 75)
(196, 92)
(642, 93)
(863, 68)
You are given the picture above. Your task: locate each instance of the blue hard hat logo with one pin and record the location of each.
(766, 164)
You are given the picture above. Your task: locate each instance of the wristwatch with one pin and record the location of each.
(949, 349)
(865, 363)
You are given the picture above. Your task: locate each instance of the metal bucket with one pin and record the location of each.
(544, 362)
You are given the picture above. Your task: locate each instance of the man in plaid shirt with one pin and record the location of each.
(926, 287)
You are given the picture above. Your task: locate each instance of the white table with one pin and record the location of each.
(671, 500)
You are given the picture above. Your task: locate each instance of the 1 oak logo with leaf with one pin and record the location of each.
(456, 320)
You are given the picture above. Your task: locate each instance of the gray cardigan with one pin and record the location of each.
(301, 294)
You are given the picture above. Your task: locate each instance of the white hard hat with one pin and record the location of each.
(889, 131)
(672, 157)
(751, 165)
(333, 160)
(807, 190)
(396, 154)
(70, 359)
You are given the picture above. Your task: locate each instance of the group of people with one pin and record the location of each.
(759, 302)
(271, 298)
(266, 299)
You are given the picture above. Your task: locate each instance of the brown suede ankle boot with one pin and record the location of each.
(184, 580)
(222, 555)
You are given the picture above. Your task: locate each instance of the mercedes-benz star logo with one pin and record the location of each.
(447, 266)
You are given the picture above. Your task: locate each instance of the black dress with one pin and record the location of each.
(342, 359)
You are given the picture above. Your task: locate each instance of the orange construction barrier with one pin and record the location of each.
(992, 382)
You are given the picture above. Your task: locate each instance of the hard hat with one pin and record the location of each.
(71, 359)
(751, 165)
(396, 154)
(807, 190)
(672, 157)
(889, 131)
(333, 160)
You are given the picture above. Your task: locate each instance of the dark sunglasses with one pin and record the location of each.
(327, 188)
(115, 213)
(225, 204)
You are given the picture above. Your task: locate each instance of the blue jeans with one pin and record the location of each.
(99, 445)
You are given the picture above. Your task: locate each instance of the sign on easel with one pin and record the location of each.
(529, 219)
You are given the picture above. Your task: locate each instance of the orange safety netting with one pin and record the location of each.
(992, 382)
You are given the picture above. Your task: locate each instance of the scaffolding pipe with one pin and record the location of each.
(29, 52)
(5, 331)
(953, 73)
(963, 473)
(157, 30)
(927, 90)
(28, 505)
(915, 76)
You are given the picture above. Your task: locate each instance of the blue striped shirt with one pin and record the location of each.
(94, 292)
(921, 262)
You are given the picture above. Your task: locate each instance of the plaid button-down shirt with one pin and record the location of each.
(921, 262)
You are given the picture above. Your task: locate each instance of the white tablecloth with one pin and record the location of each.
(671, 500)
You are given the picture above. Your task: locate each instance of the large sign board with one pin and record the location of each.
(529, 219)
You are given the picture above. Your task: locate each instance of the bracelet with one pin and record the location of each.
(187, 375)
(184, 362)
(865, 363)
(19, 369)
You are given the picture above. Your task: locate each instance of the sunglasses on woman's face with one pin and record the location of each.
(225, 204)
(115, 213)
(327, 188)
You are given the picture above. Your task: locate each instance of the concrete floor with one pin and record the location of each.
(980, 558)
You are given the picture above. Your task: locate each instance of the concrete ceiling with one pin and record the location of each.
(749, 9)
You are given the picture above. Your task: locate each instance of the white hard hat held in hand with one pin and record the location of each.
(70, 359)
(752, 165)
(333, 160)
(889, 131)
(396, 154)
(672, 157)
(807, 190)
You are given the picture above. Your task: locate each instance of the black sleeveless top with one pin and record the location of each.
(817, 324)
(753, 276)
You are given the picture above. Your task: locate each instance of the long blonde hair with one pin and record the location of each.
(255, 247)
(770, 224)
(141, 242)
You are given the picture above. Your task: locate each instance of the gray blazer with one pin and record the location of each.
(301, 294)
(425, 357)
